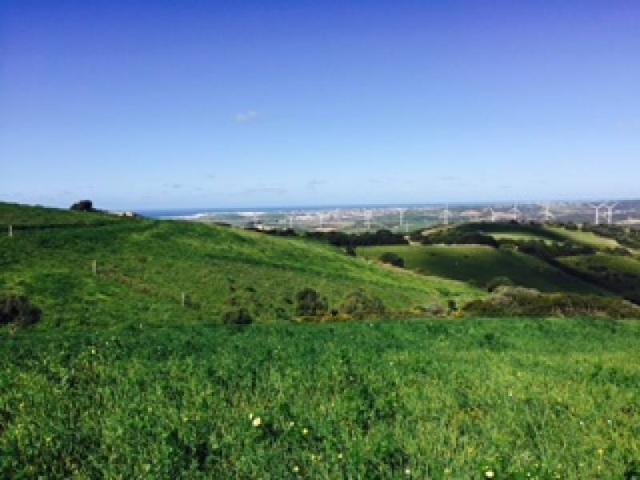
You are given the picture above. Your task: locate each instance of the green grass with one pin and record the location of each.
(21, 216)
(438, 399)
(520, 236)
(585, 238)
(144, 266)
(548, 233)
(616, 263)
(620, 273)
(120, 381)
(477, 265)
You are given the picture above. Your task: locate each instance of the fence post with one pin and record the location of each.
(183, 298)
(10, 231)
(94, 267)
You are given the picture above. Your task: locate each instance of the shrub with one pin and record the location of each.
(518, 301)
(392, 259)
(359, 305)
(83, 206)
(237, 316)
(310, 303)
(18, 310)
(452, 306)
(499, 282)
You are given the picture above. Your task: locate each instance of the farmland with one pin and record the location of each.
(478, 264)
(123, 377)
(144, 266)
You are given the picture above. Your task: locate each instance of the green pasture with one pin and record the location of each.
(400, 399)
(477, 265)
(144, 266)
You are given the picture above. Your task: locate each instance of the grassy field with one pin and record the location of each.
(410, 399)
(585, 238)
(520, 236)
(547, 233)
(35, 216)
(477, 265)
(120, 380)
(143, 266)
(621, 273)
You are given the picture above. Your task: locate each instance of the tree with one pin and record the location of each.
(310, 303)
(392, 259)
(83, 206)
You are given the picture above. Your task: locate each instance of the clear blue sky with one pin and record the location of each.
(240, 103)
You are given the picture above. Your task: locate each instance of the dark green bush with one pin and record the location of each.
(452, 306)
(83, 206)
(18, 310)
(501, 281)
(359, 305)
(517, 301)
(237, 316)
(392, 259)
(310, 303)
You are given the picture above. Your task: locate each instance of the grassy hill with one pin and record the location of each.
(144, 266)
(546, 233)
(477, 265)
(620, 273)
(154, 389)
(586, 238)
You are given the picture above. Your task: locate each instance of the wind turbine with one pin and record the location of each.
(445, 215)
(516, 212)
(597, 208)
(367, 219)
(610, 208)
(546, 213)
(493, 214)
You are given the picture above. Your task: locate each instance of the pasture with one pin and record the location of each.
(397, 399)
(477, 265)
(144, 266)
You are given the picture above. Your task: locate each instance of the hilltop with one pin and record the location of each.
(144, 266)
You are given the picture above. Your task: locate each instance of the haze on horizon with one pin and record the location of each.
(219, 104)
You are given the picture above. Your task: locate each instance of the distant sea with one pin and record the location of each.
(193, 213)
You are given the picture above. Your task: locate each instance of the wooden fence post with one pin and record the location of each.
(183, 298)
(10, 231)
(94, 267)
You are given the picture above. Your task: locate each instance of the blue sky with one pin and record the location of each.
(217, 104)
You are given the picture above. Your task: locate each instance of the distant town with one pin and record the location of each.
(405, 218)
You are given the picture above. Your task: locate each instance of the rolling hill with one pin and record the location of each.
(478, 264)
(144, 266)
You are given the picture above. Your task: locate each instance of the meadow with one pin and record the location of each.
(478, 265)
(395, 399)
(144, 266)
(125, 378)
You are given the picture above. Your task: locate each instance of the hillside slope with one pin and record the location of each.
(477, 265)
(144, 266)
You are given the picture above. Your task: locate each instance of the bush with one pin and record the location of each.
(392, 259)
(499, 282)
(83, 206)
(237, 316)
(360, 305)
(309, 303)
(452, 306)
(18, 310)
(518, 301)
